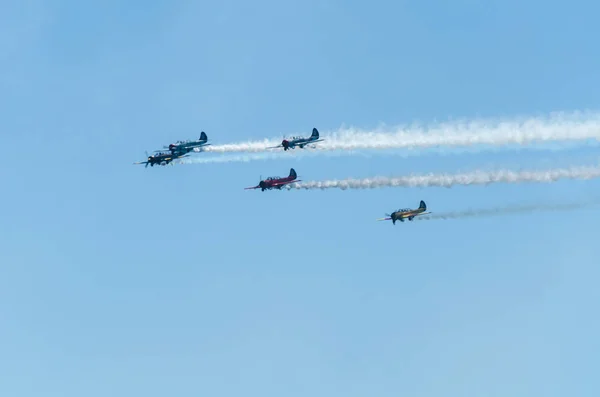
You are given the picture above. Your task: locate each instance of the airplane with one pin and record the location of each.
(187, 146)
(276, 182)
(161, 159)
(403, 213)
(292, 142)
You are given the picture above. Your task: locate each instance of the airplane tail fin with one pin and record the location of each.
(315, 133)
(293, 173)
(423, 206)
(203, 136)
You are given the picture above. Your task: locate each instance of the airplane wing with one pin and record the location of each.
(405, 216)
(274, 147)
(384, 219)
(253, 187)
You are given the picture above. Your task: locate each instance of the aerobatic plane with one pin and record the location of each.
(294, 141)
(275, 182)
(161, 159)
(187, 146)
(405, 213)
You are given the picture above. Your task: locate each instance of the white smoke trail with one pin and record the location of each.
(302, 154)
(250, 146)
(576, 126)
(448, 180)
(511, 209)
(244, 158)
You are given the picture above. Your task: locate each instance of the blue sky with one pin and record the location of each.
(117, 279)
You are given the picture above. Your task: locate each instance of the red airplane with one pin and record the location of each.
(276, 182)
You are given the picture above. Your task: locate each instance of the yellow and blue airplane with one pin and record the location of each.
(405, 213)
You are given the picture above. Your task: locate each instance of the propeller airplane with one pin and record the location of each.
(275, 182)
(161, 159)
(406, 213)
(189, 145)
(292, 142)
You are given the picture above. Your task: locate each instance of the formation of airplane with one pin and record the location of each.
(299, 141)
(181, 149)
(275, 182)
(406, 213)
(176, 151)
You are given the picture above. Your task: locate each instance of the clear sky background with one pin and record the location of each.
(119, 280)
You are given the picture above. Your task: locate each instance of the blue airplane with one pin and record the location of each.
(161, 159)
(294, 141)
(180, 147)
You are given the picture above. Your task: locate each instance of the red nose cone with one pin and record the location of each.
(284, 142)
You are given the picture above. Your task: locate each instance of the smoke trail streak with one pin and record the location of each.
(448, 180)
(577, 126)
(263, 156)
(229, 158)
(507, 210)
(244, 158)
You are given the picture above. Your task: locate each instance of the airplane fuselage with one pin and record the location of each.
(401, 215)
(299, 141)
(274, 183)
(186, 146)
(162, 159)
(409, 214)
(296, 142)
